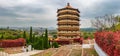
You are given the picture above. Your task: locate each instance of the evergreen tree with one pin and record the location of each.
(46, 43)
(31, 34)
(2, 36)
(42, 37)
(33, 38)
(38, 44)
(55, 45)
(41, 44)
(24, 34)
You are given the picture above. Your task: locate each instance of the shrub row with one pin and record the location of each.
(78, 40)
(109, 42)
(68, 41)
(12, 43)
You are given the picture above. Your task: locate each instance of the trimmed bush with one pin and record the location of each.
(12, 43)
(55, 45)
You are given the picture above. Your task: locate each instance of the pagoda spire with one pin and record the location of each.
(68, 5)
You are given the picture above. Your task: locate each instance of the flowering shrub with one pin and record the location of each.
(62, 42)
(68, 41)
(12, 43)
(78, 40)
(109, 42)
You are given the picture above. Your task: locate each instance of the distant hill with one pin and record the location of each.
(88, 29)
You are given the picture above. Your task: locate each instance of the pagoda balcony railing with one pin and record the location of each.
(73, 17)
(65, 16)
(73, 9)
(68, 23)
(71, 13)
(69, 29)
(68, 26)
(62, 11)
(66, 34)
(77, 19)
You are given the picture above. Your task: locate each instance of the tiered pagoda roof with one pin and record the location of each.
(68, 22)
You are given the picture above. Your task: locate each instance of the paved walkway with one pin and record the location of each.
(27, 53)
(63, 51)
(84, 45)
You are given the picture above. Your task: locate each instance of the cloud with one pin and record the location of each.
(43, 12)
(85, 23)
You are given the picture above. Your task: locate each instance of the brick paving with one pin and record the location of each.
(63, 51)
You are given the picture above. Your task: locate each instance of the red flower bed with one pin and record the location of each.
(78, 40)
(109, 42)
(63, 42)
(68, 41)
(12, 43)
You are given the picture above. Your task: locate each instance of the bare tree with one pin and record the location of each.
(104, 22)
(118, 18)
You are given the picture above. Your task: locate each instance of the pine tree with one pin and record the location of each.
(31, 34)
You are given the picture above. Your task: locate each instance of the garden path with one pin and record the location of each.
(26, 53)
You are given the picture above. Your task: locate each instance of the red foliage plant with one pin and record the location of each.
(78, 40)
(68, 41)
(12, 43)
(109, 42)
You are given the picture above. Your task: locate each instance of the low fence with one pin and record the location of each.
(99, 50)
(109, 42)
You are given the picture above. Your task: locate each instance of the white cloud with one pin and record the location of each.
(85, 23)
(23, 19)
(43, 12)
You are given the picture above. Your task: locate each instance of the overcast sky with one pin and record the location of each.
(42, 13)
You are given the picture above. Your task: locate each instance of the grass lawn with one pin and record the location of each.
(90, 52)
(1, 49)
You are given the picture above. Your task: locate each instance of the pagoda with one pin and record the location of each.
(68, 22)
